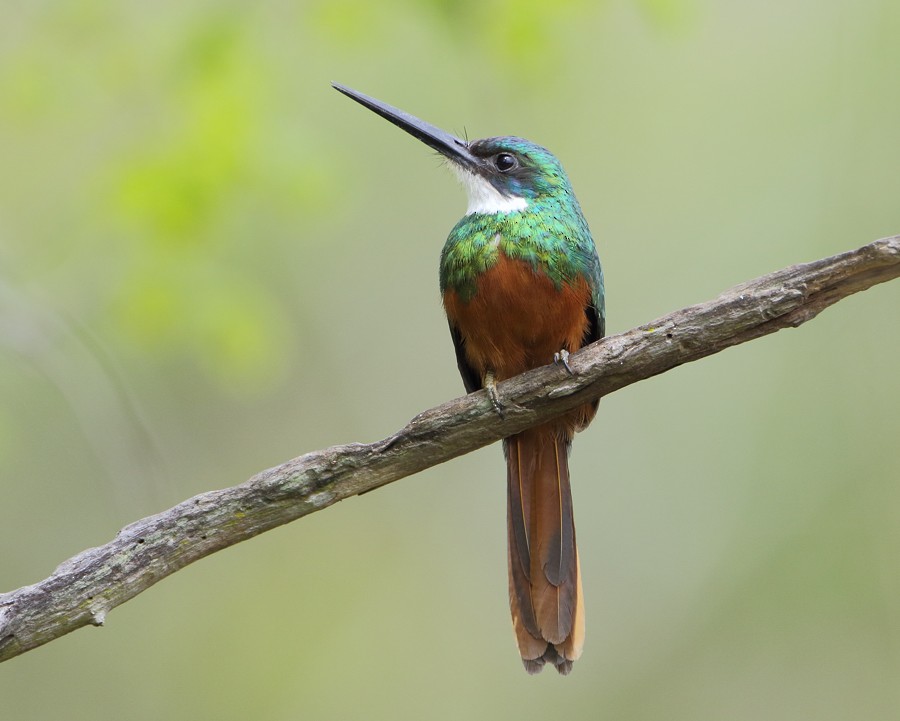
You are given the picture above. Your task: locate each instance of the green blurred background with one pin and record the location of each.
(211, 262)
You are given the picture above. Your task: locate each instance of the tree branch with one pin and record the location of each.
(86, 587)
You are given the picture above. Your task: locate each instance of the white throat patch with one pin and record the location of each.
(484, 197)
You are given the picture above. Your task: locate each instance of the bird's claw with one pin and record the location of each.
(490, 385)
(563, 358)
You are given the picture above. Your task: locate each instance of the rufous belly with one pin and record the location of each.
(518, 319)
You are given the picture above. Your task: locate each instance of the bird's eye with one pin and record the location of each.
(505, 162)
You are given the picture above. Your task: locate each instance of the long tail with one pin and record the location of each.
(544, 576)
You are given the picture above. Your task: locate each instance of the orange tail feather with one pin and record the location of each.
(545, 595)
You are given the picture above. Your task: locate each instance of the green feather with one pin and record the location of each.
(550, 234)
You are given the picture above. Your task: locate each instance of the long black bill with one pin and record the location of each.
(447, 145)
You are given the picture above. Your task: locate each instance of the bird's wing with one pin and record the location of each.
(471, 379)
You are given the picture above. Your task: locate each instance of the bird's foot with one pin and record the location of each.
(562, 358)
(490, 385)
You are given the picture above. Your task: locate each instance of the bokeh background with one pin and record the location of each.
(211, 262)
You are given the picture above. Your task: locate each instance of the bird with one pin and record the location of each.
(522, 287)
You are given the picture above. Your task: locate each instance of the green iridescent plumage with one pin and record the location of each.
(550, 233)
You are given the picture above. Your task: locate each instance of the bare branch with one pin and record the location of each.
(85, 588)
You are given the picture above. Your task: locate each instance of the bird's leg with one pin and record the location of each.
(490, 385)
(563, 358)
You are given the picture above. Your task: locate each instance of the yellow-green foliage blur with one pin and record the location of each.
(211, 262)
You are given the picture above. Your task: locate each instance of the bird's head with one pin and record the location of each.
(501, 175)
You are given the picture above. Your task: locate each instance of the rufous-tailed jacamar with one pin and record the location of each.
(522, 287)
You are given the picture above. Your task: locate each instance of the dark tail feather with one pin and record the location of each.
(544, 577)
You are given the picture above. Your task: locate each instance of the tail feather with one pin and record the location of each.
(544, 577)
